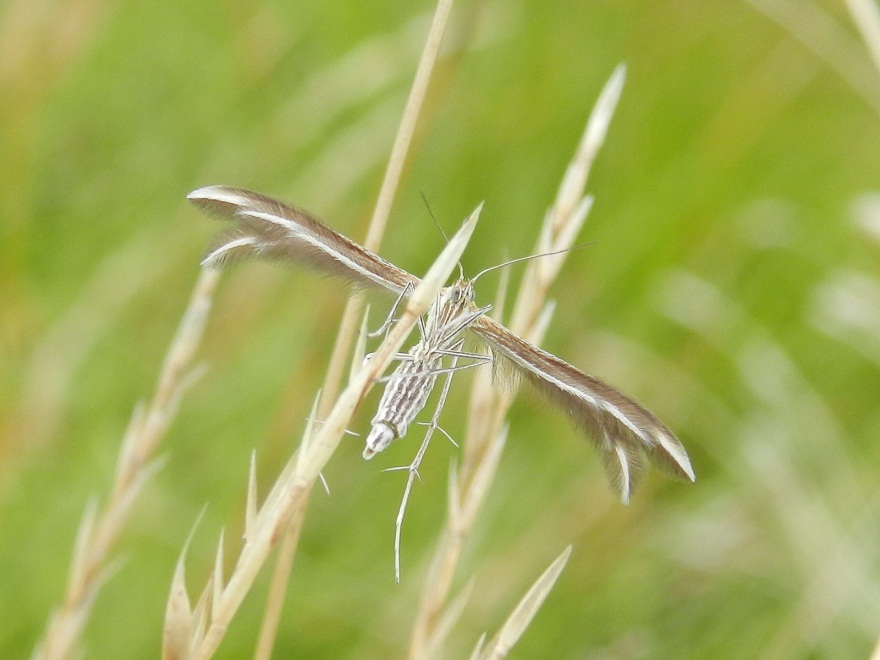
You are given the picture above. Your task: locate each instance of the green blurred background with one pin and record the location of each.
(732, 286)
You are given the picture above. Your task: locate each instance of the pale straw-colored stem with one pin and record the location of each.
(99, 530)
(524, 612)
(866, 16)
(485, 433)
(349, 322)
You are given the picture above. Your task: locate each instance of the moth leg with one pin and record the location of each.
(413, 468)
(442, 430)
(383, 329)
(399, 357)
(478, 359)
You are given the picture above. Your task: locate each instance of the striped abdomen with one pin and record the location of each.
(404, 397)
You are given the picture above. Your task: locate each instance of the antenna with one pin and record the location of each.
(531, 256)
(440, 228)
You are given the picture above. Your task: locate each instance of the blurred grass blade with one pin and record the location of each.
(525, 611)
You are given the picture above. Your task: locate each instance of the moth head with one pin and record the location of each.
(461, 293)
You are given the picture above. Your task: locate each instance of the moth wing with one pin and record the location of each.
(268, 229)
(620, 428)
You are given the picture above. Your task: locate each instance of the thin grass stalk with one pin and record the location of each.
(354, 306)
(866, 16)
(484, 435)
(99, 530)
(821, 33)
(278, 589)
(524, 612)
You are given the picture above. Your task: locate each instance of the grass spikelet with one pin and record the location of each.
(525, 611)
(135, 466)
(484, 437)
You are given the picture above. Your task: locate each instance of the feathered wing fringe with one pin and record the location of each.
(619, 427)
(268, 229)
